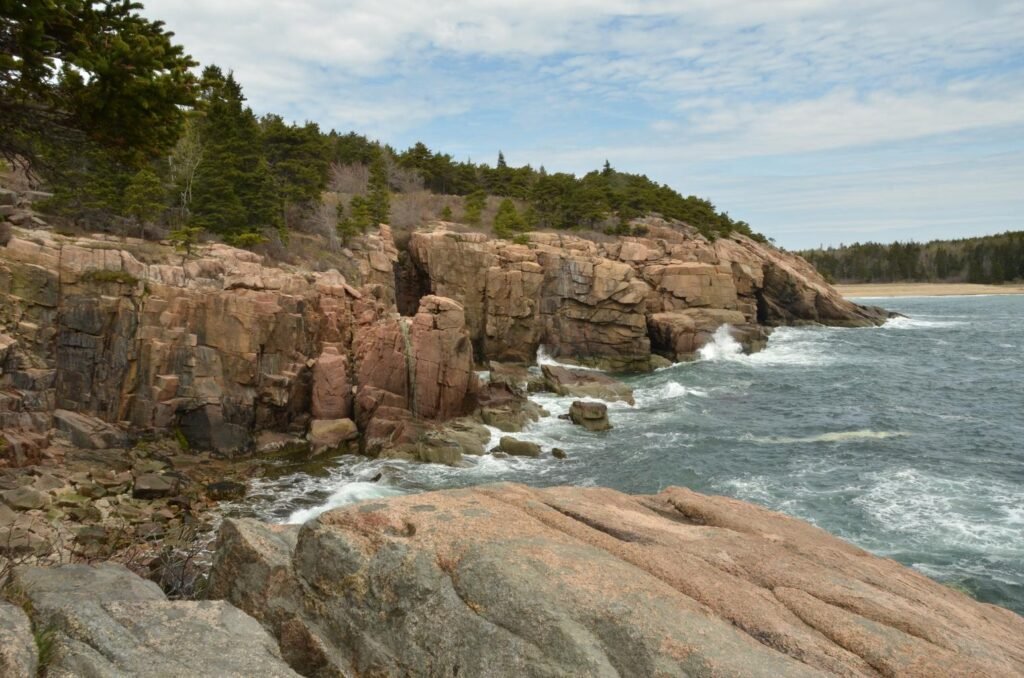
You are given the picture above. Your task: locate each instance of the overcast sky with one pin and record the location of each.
(817, 121)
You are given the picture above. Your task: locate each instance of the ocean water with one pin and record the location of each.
(907, 440)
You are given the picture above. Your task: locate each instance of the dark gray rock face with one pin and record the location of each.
(106, 621)
(504, 580)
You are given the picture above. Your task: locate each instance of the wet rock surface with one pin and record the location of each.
(504, 580)
(590, 415)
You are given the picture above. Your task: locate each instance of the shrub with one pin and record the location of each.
(5, 233)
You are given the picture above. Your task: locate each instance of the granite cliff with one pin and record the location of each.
(107, 339)
(504, 580)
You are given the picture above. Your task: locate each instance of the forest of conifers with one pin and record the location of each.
(102, 105)
(988, 259)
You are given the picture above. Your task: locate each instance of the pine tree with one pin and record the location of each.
(144, 198)
(474, 207)
(346, 227)
(379, 196)
(446, 213)
(508, 222)
(361, 213)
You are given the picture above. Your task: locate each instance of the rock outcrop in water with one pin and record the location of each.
(609, 304)
(504, 580)
(106, 339)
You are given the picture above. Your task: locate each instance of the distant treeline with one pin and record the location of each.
(988, 259)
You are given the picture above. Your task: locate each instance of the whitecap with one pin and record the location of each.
(671, 391)
(786, 346)
(909, 323)
(931, 509)
(830, 437)
(349, 493)
(545, 358)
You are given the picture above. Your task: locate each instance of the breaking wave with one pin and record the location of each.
(349, 493)
(545, 358)
(832, 437)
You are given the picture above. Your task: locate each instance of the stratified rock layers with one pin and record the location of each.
(100, 337)
(503, 580)
(609, 304)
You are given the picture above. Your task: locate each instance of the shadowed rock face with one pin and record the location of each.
(96, 332)
(504, 580)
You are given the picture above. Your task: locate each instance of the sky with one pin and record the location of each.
(816, 121)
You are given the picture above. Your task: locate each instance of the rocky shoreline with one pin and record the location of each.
(140, 389)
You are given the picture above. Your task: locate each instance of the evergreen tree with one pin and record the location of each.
(185, 238)
(73, 71)
(361, 214)
(298, 158)
(508, 222)
(446, 213)
(379, 196)
(474, 207)
(234, 191)
(144, 198)
(346, 227)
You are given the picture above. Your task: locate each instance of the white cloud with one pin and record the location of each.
(670, 88)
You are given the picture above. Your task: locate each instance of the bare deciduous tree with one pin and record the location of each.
(184, 164)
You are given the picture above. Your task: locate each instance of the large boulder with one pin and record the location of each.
(518, 448)
(578, 383)
(106, 621)
(505, 580)
(332, 387)
(679, 335)
(332, 434)
(506, 407)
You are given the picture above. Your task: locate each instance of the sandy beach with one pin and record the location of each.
(925, 289)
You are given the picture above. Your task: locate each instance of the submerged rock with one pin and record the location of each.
(504, 580)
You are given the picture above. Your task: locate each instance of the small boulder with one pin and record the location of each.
(225, 490)
(518, 448)
(25, 499)
(590, 415)
(331, 434)
(154, 486)
(558, 453)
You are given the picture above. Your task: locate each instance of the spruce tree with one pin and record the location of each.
(379, 196)
(144, 198)
(508, 222)
(474, 207)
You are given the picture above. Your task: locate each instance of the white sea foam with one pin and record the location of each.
(349, 493)
(722, 346)
(545, 358)
(830, 437)
(908, 323)
(670, 391)
(962, 512)
(786, 346)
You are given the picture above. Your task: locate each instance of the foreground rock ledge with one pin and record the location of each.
(505, 580)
